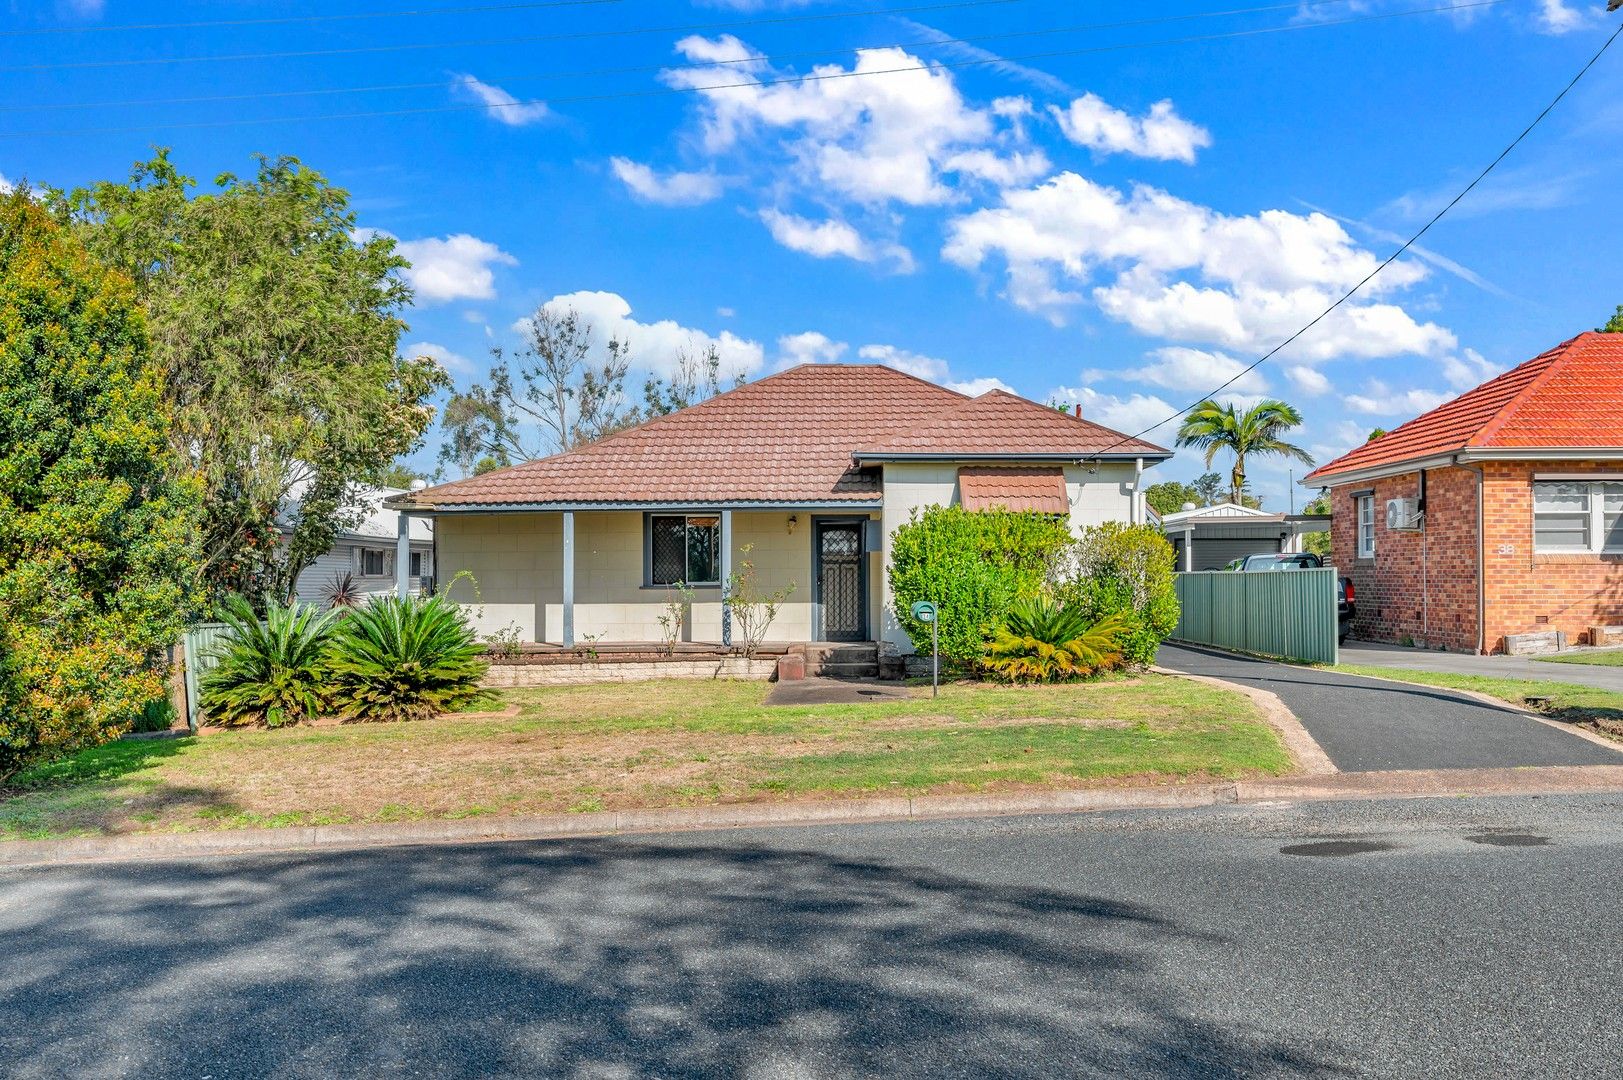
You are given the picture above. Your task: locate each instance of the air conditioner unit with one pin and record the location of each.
(1403, 515)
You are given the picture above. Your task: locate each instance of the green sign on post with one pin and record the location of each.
(924, 612)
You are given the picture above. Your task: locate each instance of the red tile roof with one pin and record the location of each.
(1014, 487)
(785, 439)
(999, 422)
(1569, 397)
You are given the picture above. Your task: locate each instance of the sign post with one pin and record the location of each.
(924, 612)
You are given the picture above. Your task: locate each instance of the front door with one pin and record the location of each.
(840, 581)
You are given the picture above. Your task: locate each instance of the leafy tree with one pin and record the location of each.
(1259, 430)
(98, 522)
(552, 384)
(396, 474)
(1375, 433)
(1121, 572)
(1168, 496)
(274, 327)
(1614, 325)
(1209, 486)
(1318, 542)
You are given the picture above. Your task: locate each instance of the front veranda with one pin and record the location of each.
(590, 577)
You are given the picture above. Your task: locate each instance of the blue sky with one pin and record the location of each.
(1072, 209)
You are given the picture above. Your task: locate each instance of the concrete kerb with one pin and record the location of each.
(1310, 758)
(1340, 786)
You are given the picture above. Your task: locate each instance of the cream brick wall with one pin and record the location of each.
(1096, 497)
(517, 560)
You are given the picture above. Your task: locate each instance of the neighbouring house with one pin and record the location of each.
(367, 552)
(1494, 515)
(809, 470)
(1211, 537)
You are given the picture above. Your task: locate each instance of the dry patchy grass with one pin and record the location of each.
(651, 744)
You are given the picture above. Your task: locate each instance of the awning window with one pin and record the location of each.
(1014, 487)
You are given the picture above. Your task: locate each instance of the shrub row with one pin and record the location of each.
(391, 659)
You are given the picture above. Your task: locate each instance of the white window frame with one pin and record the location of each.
(383, 561)
(1364, 516)
(1596, 492)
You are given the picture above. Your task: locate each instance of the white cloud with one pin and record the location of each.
(1309, 381)
(457, 267)
(809, 347)
(1560, 17)
(655, 346)
(87, 9)
(726, 312)
(1469, 369)
(925, 367)
(453, 362)
(1533, 187)
(830, 237)
(1160, 134)
(1381, 400)
(1195, 371)
(502, 105)
(875, 141)
(670, 189)
(977, 387)
(1125, 414)
(1256, 278)
(985, 58)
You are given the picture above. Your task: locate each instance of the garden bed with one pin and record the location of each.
(664, 743)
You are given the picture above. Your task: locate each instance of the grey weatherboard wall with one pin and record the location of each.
(1285, 613)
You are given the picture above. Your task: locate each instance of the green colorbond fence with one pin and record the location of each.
(199, 641)
(1287, 613)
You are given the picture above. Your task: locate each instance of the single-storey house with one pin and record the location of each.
(1498, 513)
(367, 552)
(810, 471)
(1211, 537)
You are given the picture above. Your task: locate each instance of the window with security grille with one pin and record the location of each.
(684, 548)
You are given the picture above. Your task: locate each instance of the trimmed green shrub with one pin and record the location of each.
(973, 565)
(1125, 570)
(1042, 641)
(271, 672)
(408, 659)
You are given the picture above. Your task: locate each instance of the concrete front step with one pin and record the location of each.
(846, 671)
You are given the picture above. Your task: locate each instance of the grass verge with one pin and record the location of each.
(585, 748)
(1589, 707)
(1599, 657)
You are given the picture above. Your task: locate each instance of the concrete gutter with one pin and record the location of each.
(1337, 787)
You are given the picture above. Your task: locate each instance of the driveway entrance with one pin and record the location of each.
(1371, 725)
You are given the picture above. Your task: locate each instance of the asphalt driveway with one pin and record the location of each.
(1369, 725)
(1371, 654)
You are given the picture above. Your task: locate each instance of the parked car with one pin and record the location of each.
(1263, 562)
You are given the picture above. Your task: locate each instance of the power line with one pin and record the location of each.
(285, 19)
(1296, 5)
(752, 84)
(527, 39)
(1392, 258)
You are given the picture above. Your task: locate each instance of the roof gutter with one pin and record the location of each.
(1012, 459)
(670, 507)
(1460, 457)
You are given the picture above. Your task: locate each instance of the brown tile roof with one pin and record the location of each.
(1014, 487)
(787, 438)
(999, 422)
(1568, 397)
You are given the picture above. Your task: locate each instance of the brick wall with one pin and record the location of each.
(1401, 598)
(1526, 591)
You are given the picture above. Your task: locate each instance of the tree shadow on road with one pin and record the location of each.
(596, 958)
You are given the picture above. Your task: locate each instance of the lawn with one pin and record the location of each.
(1590, 707)
(1603, 657)
(583, 748)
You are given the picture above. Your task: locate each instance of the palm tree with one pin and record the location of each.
(1259, 430)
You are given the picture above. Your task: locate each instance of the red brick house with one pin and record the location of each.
(1497, 513)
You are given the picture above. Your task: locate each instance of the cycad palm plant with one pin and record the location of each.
(405, 659)
(268, 672)
(1042, 641)
(1259, 430)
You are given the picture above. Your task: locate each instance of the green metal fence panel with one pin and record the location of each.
(1286, 613)
(200, 641)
